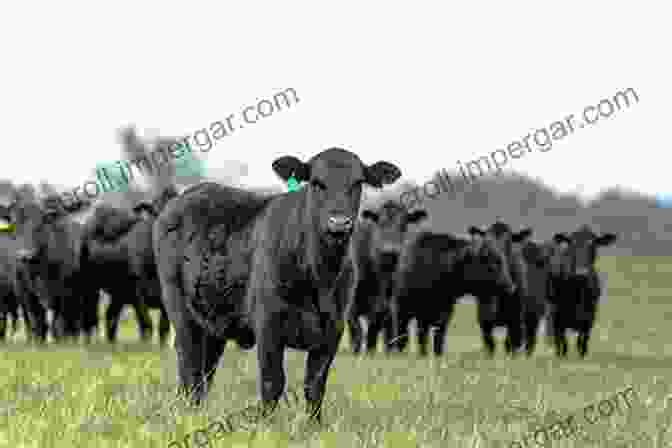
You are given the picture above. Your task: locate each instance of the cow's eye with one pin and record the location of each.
(318, 184)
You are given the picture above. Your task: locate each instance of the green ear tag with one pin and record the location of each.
(7, 227)
(292, 184)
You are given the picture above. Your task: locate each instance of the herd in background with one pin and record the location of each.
(288, 271)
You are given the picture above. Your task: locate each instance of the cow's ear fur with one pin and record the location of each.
(287, 166)
(561, 238)
(416, 216)
(473, 231)
(606, 239)
(522, 235)
(369, 214)
(382, 173)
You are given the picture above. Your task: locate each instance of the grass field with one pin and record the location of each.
(104, 396)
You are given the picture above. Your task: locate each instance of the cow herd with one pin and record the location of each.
(287, 271)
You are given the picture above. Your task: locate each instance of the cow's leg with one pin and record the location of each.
(487, 324)
(3, 325)
(423, 336)
(560, 338)
(355, 331)
(90, 316)
(531, 326)
(441, 328)
(582, 342)
(271, 357)
(145, 326)
(514, 323)
(388, 335)
(112, 316)
(164, 327)
(401, 339)
(372, 333)
(317, 369)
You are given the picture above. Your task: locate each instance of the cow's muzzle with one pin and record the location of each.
(389, 260)
(340, 224)
(26, 255)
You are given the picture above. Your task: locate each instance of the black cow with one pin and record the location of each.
(118, 255)
(435, 270)
(538, 258)
(9, 305)
(505, 310)
(577, 287)
(271, 271)
(375, 247)
(48, 270)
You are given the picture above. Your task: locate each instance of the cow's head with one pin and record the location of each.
(33, 225)
(390, 224)
(580, 252)
(502, 236)
(335, 178)
(486, 266)
(536, 254)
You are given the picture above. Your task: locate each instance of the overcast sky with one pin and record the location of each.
(422, 86)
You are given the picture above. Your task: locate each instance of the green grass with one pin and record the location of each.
(104, 396)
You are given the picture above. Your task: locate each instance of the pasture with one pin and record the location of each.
(105, 396)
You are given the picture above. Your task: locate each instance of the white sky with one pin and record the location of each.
(422, 86)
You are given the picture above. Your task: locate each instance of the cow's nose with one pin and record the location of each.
(340, 223)
(582, 271)
(26, 255)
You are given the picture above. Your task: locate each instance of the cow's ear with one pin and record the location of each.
(606, 239)
(561, 238)
(475, 231)
(5, 213)
(369, 214)
(522, 235)
(288, 166)
(416, 216)
(382, 173)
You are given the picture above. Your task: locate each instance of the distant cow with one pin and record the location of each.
(504, 310)
(48, 270)
(538, 257)
(375, 247)
(435, 270)
(271, 271)
(577, 287)
(119, 258)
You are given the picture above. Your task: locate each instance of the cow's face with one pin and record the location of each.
(578, 258)
(536, 254)
(33, 228)
(335, 178)
(485, 264)
(502, 236)
(388, 231)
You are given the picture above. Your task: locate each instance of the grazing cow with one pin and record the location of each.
(538, 258)
(505, 310)
(118, 253)
(577, 287)
(375, 247)
(272, 271)
(435, 270)
(48, 274)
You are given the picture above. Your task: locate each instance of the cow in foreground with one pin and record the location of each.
(435, 270)
(577, 287)
(118, 255)
(375, 248)
(504, 310)
(271, 271)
